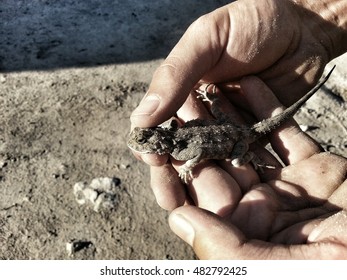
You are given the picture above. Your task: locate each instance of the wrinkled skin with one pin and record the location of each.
(294, 212)
(298, 211)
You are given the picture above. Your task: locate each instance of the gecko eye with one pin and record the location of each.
(142, 140)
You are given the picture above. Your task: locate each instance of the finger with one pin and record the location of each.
(331, 229)
(212, 238)
(313, 181)
(167, 187)
(291, 85)
(296, 233)
(152, 159)
(233, 92)
(192, 109)
(196, 52)
(209, 179)
(254, 214)
(213, 189)
(205, 232)
(288, 141)
(244, 175)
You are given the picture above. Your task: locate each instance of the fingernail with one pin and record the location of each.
(182, 228)
(147, 106)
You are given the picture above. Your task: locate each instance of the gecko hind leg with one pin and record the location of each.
(241, 155)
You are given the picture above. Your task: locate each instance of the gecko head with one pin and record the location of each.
(155, 140)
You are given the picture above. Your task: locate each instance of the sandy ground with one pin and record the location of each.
(71, 73)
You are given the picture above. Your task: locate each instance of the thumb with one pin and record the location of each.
(213, 238)
(187, 63)
(210, 237)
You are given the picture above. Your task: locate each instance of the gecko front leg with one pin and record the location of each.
(186, 170)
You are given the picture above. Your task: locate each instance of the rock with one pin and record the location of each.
(2, 79)
(74, 246)
(101, 193)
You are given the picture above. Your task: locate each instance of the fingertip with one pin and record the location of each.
(210, 180)
(167, 187)
(181, 222)
(260, 97)
(210, 237)
(154, 159)
(251, 82)
(142, 116)
(249, 79)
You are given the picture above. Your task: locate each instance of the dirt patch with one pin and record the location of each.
(60, 127)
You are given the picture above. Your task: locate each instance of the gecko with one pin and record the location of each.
(218, 139)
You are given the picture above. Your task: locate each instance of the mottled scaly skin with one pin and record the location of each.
(214, 141)
(200, 139)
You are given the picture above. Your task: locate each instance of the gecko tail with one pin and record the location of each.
(267, 125)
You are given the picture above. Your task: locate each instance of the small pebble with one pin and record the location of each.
(74, 246)
(3, 79)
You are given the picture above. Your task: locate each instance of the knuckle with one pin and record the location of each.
(170, 68)
(200, 24)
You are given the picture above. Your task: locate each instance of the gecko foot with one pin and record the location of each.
(185, 174)
(260, 165)
(204, 95)
(250, 157)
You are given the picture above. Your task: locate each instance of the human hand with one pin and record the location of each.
(298, 211)
(287, 44)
